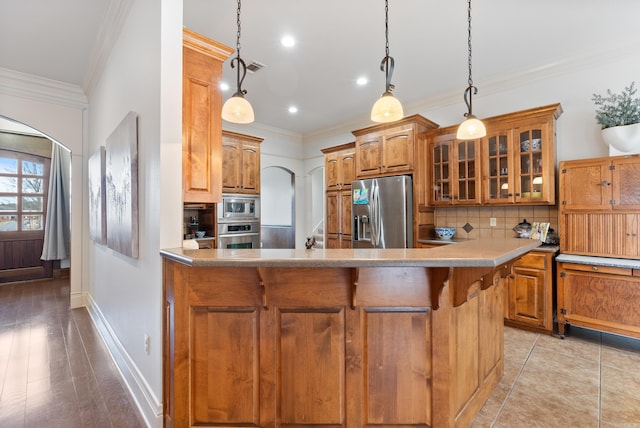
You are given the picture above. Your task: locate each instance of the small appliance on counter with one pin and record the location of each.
(523, 229)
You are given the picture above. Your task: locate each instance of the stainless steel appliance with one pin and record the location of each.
(382, 210)
(239, 221)
(236, 207)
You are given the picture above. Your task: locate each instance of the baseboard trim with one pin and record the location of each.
(150, 407)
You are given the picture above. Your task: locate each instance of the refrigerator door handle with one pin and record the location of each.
(375, 214)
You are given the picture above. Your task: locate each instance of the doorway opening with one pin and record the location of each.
(277, 194)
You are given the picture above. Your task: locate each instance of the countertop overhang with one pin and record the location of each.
(486, 252)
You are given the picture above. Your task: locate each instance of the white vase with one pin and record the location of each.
(624, 138)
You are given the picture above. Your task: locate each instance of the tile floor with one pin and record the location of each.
(55, 371)
(589, 379)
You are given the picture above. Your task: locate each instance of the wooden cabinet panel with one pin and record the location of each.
(626, 176)
(395, 359)
(398, 150)
(529, 294)
(240, 163)
(585, 185)
(597, 299)
(311, 367)
(225, 382)
(601, 234)
(339, 173)
(369, 155)
(455, 174)
(201, 121)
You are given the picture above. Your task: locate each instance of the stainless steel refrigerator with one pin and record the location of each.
(382, 210)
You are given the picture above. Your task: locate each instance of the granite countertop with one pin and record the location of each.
(547, 248)
(599, 261)
(489, 252)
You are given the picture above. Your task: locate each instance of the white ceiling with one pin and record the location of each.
(339, 41)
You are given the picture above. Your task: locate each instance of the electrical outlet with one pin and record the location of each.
(147, 343)
(492, 222)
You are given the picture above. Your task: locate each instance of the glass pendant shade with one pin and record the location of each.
(237, 110)
(471, 129)
(387, 109)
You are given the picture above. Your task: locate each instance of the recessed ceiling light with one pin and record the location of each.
(224, 87)
(293, 109)
(362, 81)
(287, 41)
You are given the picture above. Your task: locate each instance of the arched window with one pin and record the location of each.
(24, 183)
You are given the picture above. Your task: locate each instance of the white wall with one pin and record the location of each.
(142, 74)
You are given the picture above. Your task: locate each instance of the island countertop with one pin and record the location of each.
(487, 252)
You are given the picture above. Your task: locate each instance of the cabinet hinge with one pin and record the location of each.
(563, 311)
(612, 167)
(564, 202)
(563, 274)
(564, 171)
(612, 201)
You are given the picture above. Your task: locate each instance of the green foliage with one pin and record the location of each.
(617, 109)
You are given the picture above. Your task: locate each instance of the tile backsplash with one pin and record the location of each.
(506, 219)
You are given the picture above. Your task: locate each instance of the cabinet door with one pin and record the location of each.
(467, 178)
(533, 170)
(201, 128)
(347, 169)
(585, 185)
(397, 155)
(345, 214)
(625, 176)
(442, 163)
(331, 171)
(498, 184)
(333, 213)
(625, 226)
(527, 296)
(250, 172)
(231, 161)
(368, 155)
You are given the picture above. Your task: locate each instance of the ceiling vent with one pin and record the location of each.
(254, 66)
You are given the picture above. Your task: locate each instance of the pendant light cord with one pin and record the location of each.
(237, 61)
(471, 90)
(387, 63)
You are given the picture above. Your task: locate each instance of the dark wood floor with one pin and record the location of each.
(55, 370)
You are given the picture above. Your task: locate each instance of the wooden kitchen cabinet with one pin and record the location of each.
(339, 173)
(605, 298)
(240, 163)
(529, 292)
(388, 149)
(513, 164)
(201, 121)
(600, 200)
(455, 176)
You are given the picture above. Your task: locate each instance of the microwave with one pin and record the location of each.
(239, 208)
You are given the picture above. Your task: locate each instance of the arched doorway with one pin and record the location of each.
(27, 224)
(277, 199)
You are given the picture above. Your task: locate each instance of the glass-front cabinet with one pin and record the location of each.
(456, 167)
(499, 162)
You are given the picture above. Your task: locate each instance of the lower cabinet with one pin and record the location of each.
(599, 297)
(528, 298)
(305, 347)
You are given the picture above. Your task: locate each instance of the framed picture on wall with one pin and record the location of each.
(98, 197)
(122, 187)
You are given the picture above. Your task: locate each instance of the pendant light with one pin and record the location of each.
(237, 109)
(387, 108)
(471, 128)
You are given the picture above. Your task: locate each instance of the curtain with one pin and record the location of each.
(57, 229)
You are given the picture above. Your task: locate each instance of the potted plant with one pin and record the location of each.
(619, 117)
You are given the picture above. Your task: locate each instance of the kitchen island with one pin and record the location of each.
(334, 338)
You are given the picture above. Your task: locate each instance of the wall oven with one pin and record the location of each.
(239, 235)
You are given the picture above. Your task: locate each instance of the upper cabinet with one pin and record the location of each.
(600, 184)
(339, 164)
(339, 170)
(201, 121)
(388, 149)
(513, 163)
(455, 177)
(240, 163)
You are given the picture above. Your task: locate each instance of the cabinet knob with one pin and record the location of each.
(605, 184)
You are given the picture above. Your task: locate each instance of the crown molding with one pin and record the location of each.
(115, 18)
(38, 88)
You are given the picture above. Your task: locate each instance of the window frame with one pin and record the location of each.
(46, 165)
